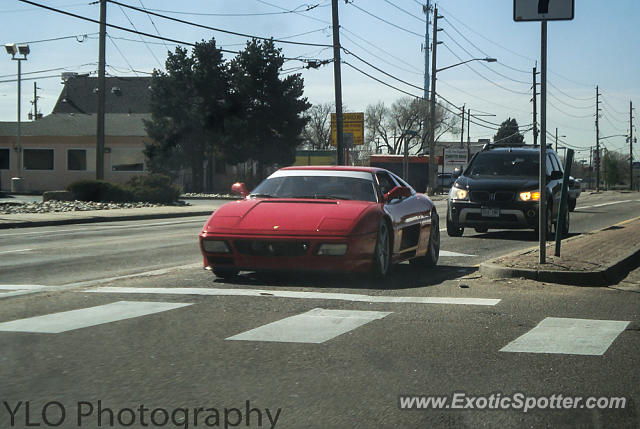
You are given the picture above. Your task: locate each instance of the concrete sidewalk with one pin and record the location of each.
(598, 258)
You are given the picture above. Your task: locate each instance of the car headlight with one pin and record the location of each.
(529, 196)
(330, 249)
(215, 246)
(458, 193)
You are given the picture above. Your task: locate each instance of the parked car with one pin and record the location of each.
(499, 189)
(575, 188)
(358, 219)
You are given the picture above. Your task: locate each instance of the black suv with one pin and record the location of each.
(499, 189)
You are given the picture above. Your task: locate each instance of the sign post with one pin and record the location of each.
(543, 11)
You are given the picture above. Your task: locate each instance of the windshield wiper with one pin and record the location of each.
(261, 196)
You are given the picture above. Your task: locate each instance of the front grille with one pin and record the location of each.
(485, 196)
(502, 218)
(272, 248)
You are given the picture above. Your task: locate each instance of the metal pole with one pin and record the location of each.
(405, 159)
(19, 141)
(337, 82)
(556, 149)
(597, 156)
(542, 180)
(535, 113)
(462, 133)
(468, 136)
(427, 10)
(101, 92)
(35, 101)
(432, 113)
(630, 145)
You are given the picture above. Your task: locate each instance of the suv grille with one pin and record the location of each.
(272, 248)
(484, 196)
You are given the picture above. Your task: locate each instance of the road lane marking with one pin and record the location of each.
(606, 204)
(568, 336)
(16, 251)
(296, 294)
(76, 319)
(315, 326)
(454, 254)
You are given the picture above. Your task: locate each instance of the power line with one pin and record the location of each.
(182, 21)
(405, 11)
(82, 37)
(154, 25)
(567, 95)
(380, 81)
(145, 43)
(385, 21)
(177, 12)
(179, 42)
(382, 71)
(121, 54)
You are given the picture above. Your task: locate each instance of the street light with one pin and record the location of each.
(432, 144)
(23, 51)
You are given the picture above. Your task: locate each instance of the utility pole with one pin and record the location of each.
(468, 136)
(35, 102)
(535, 113)
(542, 215)
(597, 156)
(556, 149)
(427, 10)
(630, 145)
(337, 82)
(432, 113)
(101, 92)
(462, 133)
(590, 165)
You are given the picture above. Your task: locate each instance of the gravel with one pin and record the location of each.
(67, 206)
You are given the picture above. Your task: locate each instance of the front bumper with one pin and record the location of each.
(289, 253)
(503, 215)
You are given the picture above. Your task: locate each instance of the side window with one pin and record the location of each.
(385, 182)
(559, 162)
(550, 166)
(403, 183)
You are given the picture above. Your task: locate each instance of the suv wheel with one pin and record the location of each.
(453, 229)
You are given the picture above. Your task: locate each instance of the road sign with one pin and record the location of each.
(543, 10)
(454, 157)
(352, 128)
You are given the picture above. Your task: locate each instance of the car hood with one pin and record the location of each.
(491, 183)
(287, 217)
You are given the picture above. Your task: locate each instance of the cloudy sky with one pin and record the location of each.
(383, 57)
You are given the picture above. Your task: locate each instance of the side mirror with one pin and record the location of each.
(240, 188)
(556, 175)
(397, 192)
(457, 172)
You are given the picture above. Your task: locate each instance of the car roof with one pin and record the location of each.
(335, 168)
(515, 148)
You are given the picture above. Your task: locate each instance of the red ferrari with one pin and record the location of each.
(357, 219)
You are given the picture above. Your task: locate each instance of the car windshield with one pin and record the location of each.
(315, 185)
(504, 164)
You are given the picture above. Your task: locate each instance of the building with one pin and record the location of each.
(60, 148)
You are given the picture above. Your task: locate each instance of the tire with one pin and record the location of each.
(431, 258)
(453, 229)
(225, 273)
(481, 230)
(572, 204)
(549, 234)
(382, 252)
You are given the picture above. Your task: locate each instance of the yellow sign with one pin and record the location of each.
(352, 129)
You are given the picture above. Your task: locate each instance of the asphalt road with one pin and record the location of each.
(162, 337)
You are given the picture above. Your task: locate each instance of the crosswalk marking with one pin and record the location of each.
(297, 294)
(75, 319)
(568, 336)
(454, 254)
(315, 326)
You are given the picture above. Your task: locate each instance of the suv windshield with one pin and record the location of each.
(504, 164)
(320, 187)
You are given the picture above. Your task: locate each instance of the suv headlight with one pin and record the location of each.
(529, 196)
(458, 193)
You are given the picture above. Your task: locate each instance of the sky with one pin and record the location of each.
(383, 57)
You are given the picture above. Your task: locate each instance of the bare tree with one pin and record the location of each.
(388, 128)
(317, 133)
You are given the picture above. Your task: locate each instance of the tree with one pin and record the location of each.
(187, 111)
(387, 128)
(266, 121)
(317, 132)
(509, 133)
(615, 167)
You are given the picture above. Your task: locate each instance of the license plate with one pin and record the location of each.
(490, 212)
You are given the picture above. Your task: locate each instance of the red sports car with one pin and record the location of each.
(358, 219)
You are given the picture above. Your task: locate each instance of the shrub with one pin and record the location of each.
(153, 188)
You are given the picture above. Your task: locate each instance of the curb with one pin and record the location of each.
(605, 277)
(100, 219)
